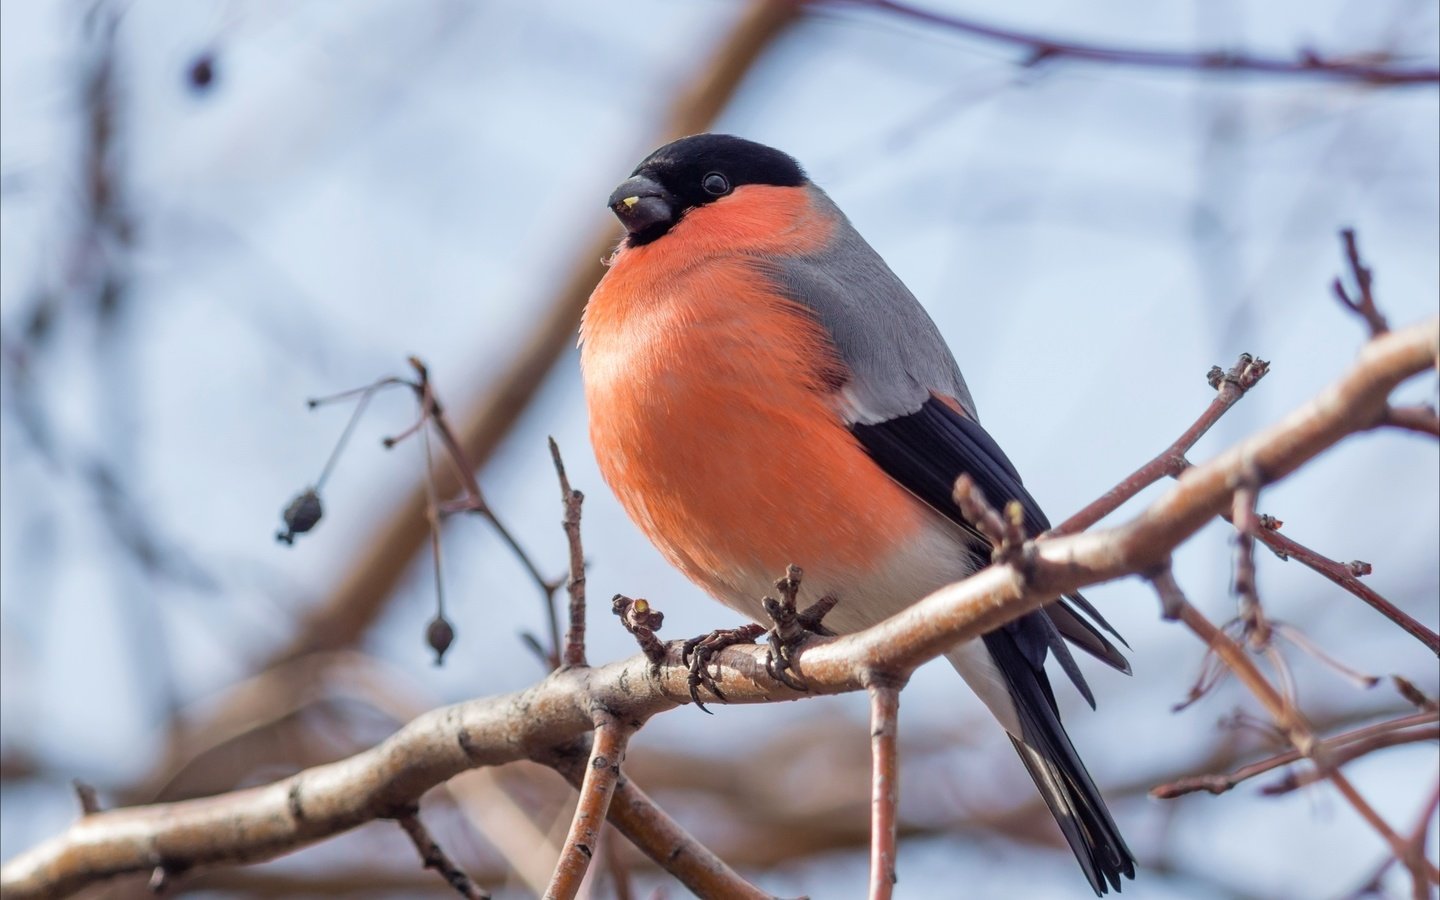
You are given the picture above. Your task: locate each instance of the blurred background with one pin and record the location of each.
(213, 211)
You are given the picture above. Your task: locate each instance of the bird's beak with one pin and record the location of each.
(641, 204)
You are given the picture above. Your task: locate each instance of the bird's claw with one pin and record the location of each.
(697, 652)
(792, 627)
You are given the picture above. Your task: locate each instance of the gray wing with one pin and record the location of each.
(900, 376)
(896, 356)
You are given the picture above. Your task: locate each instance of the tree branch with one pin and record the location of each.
(1219, 784)
(884, 786)
(596, 789)
(433, 856)
(1042, 48)
(1346, 575)
(260, 823)
(1229, 386)
(574, 653)
(661, 838)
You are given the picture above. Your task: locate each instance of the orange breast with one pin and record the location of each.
(712, 416)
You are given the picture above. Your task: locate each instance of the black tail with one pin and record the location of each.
(1052, 761)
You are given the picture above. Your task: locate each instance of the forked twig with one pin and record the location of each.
(1220, 783)
(1286, 716)
(660, 837)
(1363, 304)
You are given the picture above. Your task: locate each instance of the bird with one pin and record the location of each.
(763, 390)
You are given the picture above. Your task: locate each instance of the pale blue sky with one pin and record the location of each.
(373, 179)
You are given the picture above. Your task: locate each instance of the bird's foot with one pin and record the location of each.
(792, 627)
(698, 651)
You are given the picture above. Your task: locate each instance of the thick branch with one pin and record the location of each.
(263, 822)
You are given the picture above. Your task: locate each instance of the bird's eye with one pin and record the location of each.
(715, 184)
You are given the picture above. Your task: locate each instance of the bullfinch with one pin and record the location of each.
(764, 391)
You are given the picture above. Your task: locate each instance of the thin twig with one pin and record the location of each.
(1344, 574)
(349, 430)
(1286, 716)
(1255, 627)
(601, 776)
(642, 621)
(1413, 860)
(575, 585)
(884, 786)
(1421, 888)
(661, 838)
(1230, 385)
(1364, 304)
(978, 511)
(434, 857)
(89, 800)
(1414, 695)
(473, 499)
(1042, 48)
(1220, 783)
(1420, 418)
(439, 633)
(1421, 879)
(1294, 780)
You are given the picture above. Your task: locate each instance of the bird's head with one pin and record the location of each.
(691, 173)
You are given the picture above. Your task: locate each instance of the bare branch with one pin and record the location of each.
(598, 786)
(89, 801)
(642, 621)
(1290, 720)
(575, 584)
(262, 822)
(1230, 386)
(1419, 418)
(1219, 784)
(884, 787)
(1247, 524)
(433, 856)
(1042, 49)
(1347, 576)
(1294, 780)
(1364, 304)
(660, 837)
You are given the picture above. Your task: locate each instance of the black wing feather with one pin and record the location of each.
(1057, 771)
(925, 452)
(930, 448)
